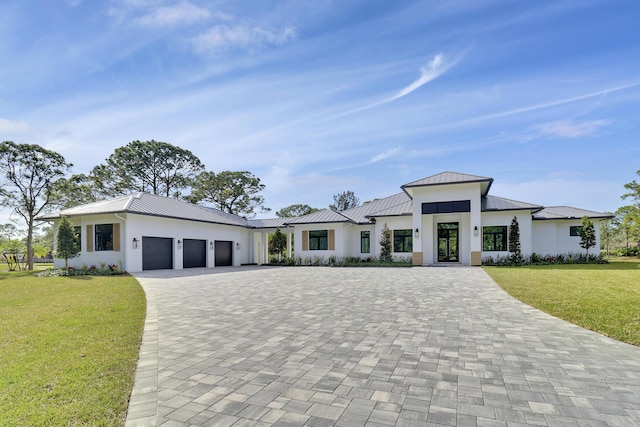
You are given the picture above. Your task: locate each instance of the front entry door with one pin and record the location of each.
(448, 242)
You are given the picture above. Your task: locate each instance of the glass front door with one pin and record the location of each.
(448, 242)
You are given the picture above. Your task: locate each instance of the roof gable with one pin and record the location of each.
(449, 178)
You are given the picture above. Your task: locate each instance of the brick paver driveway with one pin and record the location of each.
(369, 346)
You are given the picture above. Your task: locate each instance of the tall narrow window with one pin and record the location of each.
(318, 240)
(494, 238)
(77, 230)
(402, 241)
(365, 242)
(104, 237)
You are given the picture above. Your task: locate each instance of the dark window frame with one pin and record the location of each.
(365, 242)
(575, 230)
(318, 240)
(402, 241)
(103, 234)
(494, 238)
(453, 206)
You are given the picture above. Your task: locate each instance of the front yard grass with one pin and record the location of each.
(68, 348)
(601, 297)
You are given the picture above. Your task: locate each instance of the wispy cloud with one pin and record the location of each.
(179, 14)
(222, 38)
(382, 156)
(567, 129)
(433, 69)
(551, 104)
(428, 72)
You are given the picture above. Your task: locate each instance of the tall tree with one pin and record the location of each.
(231, 192)
(587, 234)
(295, 210)
(67, 244)
(385, 244)
(343, 201)
(514, 242)
(78, 189)
(151, 166)
(29, 172)
(634, 214)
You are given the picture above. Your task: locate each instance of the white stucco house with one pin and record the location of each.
(448, 218)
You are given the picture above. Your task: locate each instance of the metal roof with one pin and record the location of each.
(448, 178)
(361, 214)
(150, 204)
(494, 203)
(269, 222)
(567, 212)
(320, 217)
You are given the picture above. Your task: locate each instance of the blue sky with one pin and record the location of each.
(318, 97)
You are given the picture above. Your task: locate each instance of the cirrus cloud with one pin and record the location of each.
(182, 13)
(567, 129)
(222, 38)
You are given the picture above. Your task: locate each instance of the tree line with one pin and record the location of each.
(35, 180)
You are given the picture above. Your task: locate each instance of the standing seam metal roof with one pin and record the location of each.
(153, 205)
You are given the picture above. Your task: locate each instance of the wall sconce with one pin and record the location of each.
(237, 246)
(210, 246)
(135, 243)
(179, 244)
(475, 230)
(417, 232)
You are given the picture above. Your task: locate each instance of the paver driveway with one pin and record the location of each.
(369, 346)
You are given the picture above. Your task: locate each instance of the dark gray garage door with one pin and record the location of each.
(194, 253)
(157, 253)
(224, 255)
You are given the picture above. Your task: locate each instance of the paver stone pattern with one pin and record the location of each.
(316, 346)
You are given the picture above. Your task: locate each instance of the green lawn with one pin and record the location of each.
(68, 348)
(602, 297)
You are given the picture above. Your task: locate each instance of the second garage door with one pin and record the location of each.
(224, 255)
(194, 253)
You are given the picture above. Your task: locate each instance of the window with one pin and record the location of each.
(402, 241)
(494, 238)
(575, 230)
(104, 237)
(77, 230)
(318, 240)
(365, 242)
(446, 207)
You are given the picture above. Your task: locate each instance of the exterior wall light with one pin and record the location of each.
(210, 246)
(179, 244)
(237, 246)
(417, 232)
(135, 243)
(475, 230)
